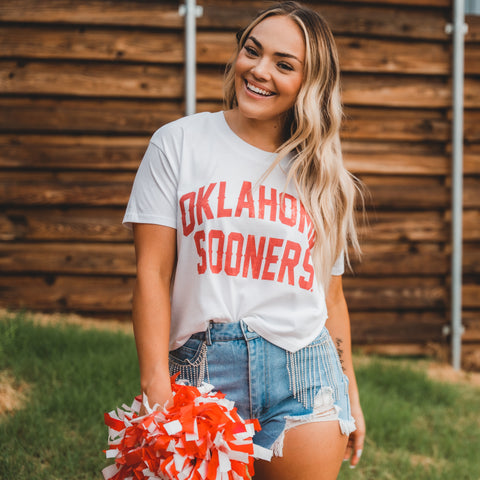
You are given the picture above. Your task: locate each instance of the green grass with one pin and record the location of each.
(417, 428)
(75, 376)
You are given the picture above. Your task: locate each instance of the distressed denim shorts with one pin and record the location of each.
(280, 388)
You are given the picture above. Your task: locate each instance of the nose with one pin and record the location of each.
(261, 69)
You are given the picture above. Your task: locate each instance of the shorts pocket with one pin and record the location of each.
(190, 360)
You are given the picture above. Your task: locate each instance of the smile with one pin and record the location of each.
(257, 90)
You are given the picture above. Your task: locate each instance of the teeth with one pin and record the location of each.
(260, 91)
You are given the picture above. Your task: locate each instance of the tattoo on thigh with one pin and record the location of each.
(338, 343)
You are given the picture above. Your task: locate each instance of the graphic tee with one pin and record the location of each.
(243, 240)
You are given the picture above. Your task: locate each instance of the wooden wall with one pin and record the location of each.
(84, 84)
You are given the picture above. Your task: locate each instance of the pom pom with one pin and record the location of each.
(200, 436)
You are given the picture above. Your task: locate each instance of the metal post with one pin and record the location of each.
(191, 11)
(458, 30)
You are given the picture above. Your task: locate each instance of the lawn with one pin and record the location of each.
(417, 428)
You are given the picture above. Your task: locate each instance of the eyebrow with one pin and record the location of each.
(277, 54)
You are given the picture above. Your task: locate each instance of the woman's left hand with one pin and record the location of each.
(356, 439)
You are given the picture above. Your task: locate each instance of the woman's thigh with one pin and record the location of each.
(311, 451)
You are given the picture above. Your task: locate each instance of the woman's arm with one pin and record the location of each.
(155, 250)
(338, 324)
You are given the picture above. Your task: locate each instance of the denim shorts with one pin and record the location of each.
(279, 388)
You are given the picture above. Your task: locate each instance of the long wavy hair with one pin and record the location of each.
(312, 137)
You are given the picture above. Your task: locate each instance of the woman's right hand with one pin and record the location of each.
(158, 396)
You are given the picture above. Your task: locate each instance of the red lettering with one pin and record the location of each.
(216, 266)
(199, 237)
(245, 200)
(187, 227)
(253, 256)
(292, 220)
(237, 238)
(303, 282)
(202, 203)
(271, 258)
(288, 264)
(221, 210)
(272, 202)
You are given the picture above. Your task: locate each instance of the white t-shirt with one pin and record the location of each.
(244, 249)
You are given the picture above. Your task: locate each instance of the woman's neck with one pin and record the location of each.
(264, 134)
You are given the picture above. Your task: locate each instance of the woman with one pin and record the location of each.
(241, 220)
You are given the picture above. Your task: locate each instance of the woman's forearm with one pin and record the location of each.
(155, 248)
(338, 324)
(151, 320)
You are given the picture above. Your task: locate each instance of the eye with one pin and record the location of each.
(250, 50)
(285, 66)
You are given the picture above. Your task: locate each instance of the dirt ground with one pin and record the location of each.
(14, 393)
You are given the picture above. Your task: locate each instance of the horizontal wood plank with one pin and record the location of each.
(389, 227)
(472, 59)
(471, 187)
(380, 259)
(64, 188)
(413, 293)
(67, 293)
(383, 20)
(401, 164)
(401, 192)
(93, 43)
(110, 294)
(473, 34)
(84, 115)
(412, 3)
(471, 323)
(396, 327)
(471, 159)
(113, 189)
(104, 12)
(87, 152)
(471, 258)
(118, 259)
(395, 124)
(66, 224)
(104, 225)
(471, 122)
(91, 79)
(140, 81)
(471, 225)
(96, 152)
(471, 295)
(144, 116)
(67, 258)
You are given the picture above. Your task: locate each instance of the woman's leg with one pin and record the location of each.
(312, 451)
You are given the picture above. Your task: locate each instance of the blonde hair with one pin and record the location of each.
(312, 135)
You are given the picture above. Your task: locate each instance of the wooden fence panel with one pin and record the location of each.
(83, 85)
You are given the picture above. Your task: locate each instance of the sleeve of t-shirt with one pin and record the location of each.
(339, 265)
(154, 193)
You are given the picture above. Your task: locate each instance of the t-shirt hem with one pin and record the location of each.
(283, 341)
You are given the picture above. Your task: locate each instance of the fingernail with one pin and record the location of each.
(358, 453)
(352, 466)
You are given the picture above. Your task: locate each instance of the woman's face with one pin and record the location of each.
(269, 69)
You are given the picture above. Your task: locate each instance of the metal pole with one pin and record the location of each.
(191, 12)
(458, 31)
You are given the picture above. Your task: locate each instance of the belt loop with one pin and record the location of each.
(208, 337)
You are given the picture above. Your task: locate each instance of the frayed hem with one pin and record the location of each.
(324, 410)
(347, 426)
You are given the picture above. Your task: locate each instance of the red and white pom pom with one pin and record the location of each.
(199, 437)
